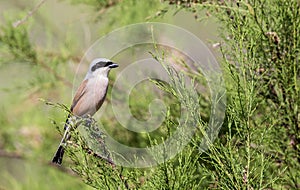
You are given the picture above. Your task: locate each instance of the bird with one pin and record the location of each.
(88, 98)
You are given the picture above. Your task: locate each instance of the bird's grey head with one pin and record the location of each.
(100, 67)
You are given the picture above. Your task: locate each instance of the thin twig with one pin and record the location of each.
(10, 154)
(63, 169)
(106, 7)
(29, 14)
(94, 154)
(56, 75)
(107, 160)
(15, 155)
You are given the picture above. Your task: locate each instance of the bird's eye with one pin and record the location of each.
(94, 67)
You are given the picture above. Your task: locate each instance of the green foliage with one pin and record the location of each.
(131, 11)
(27, 74)
(16, 42)
(259, 146)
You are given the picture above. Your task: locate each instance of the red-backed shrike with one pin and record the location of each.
(89, 97)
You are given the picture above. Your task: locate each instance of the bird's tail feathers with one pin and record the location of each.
(57, 159)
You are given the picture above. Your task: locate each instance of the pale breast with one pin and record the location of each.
(94, 96)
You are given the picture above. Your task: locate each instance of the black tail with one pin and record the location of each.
(57, 159)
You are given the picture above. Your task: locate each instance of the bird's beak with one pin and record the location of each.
(113, 65)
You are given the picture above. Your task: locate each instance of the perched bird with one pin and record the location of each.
(88, 99)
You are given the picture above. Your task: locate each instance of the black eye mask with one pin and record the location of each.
(101, 64)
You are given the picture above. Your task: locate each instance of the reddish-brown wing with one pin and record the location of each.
(80, 92)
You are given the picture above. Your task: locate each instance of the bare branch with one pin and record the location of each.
(10, 154)
(29, 14)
